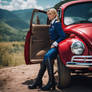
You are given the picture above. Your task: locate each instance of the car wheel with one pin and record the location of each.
(64, 76)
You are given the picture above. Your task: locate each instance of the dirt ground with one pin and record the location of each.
(17, 79)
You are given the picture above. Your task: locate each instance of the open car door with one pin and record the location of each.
(37, 39)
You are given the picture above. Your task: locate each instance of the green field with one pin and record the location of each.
(11, 53)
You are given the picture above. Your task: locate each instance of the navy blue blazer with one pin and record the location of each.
(56, 33)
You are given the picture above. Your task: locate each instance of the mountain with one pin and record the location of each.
(15, 24)
(12, 20)
(24, 15)
(8, 33)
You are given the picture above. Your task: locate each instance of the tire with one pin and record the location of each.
(64, 76)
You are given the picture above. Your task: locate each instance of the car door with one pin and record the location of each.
(37, 40)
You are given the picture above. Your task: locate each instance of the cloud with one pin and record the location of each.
(19, 4)
(48, 6)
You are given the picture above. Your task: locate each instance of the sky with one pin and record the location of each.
(27, 4)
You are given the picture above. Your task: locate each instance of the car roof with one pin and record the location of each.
(74, 2)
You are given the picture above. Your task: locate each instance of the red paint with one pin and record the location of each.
(82, 32)
(27, 48)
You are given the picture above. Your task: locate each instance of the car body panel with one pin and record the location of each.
(84, 30)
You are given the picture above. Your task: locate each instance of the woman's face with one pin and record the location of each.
(50, 15)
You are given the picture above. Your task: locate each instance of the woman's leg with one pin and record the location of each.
(49, 56)
(38, 82)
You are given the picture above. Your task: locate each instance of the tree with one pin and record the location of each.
(62, 2)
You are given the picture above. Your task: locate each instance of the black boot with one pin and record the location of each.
(38, 82)
(51, 83)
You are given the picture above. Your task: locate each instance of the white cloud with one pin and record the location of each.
(48, 6)
(19, 4)
(3, 1)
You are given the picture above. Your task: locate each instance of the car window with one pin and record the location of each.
(40, 18)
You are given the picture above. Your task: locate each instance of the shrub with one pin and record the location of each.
(11, 53)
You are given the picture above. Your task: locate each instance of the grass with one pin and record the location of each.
(11, 53)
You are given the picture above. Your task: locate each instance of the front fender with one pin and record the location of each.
(64, 49)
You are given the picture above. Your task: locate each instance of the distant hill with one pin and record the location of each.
(24, 15)
(8, 33)
(12, 20)
(14, 24)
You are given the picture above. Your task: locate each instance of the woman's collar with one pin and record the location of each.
(53, 20)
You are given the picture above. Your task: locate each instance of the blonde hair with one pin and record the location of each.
(54, 11)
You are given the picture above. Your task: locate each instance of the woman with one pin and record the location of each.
(56, 35)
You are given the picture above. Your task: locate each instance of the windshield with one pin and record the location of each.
(78, 13)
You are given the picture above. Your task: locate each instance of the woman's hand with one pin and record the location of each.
(52, 46)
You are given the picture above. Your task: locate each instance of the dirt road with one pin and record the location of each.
(17, 79)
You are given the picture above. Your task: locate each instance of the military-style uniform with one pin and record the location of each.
(56, 35)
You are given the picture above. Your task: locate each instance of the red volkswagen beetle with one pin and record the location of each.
(75, 52)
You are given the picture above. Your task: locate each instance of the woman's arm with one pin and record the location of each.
(60, 33)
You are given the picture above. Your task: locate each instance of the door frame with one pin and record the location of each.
(35, 10)
(27, 40)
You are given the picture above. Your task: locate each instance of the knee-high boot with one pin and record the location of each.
(38, 82)
(51, 83)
